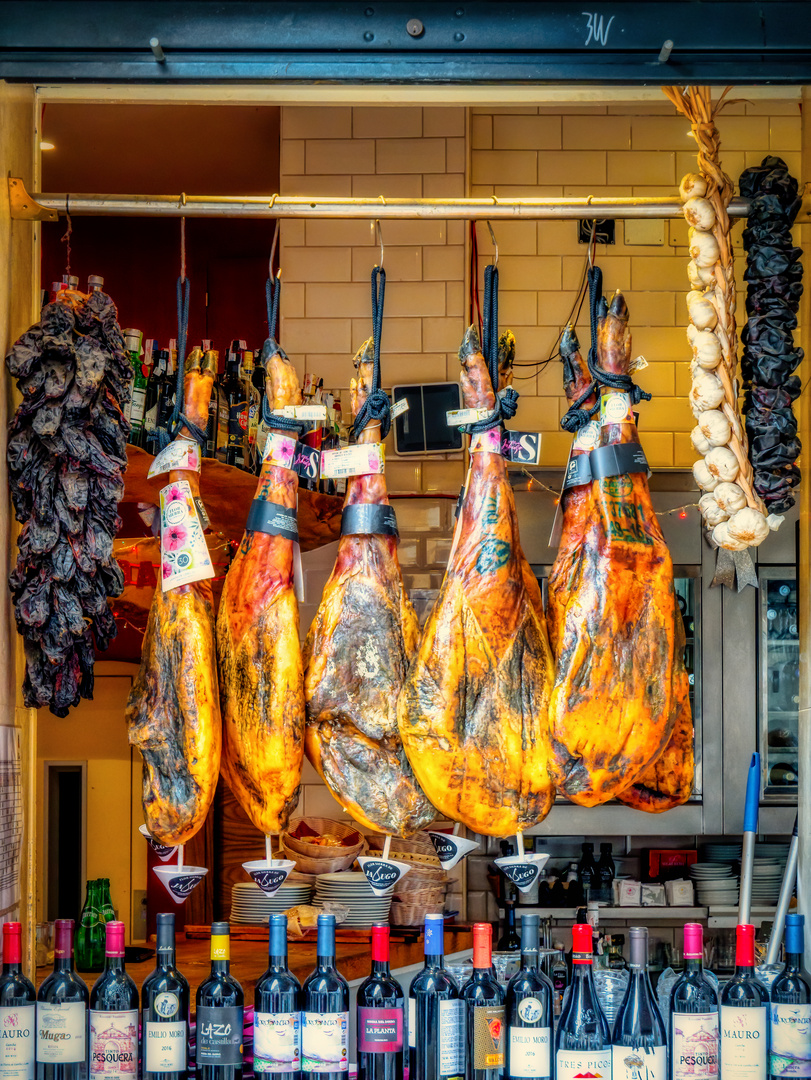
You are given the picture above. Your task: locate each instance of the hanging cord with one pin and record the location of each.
(377, 405)
(273, 292)
(67, 235)
(507, 402)
(475, 302)
(614, 379)
(179, 418)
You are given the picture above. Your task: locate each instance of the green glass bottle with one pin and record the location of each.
(106, 901)
(90, 936)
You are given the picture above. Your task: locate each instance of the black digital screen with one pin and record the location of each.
(423, 428)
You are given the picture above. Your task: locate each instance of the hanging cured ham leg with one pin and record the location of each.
(612, 710)
(173, 709)
(473, 709)
(576, 500)
(358, 650)
(261, 678)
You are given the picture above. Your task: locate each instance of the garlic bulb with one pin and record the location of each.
(715, 427)
(722, 463)
(706, 348)
(703, 248)
(699, 213)
(720, 535)
(774, 521)
(706, 392)
(703, 477)
(729, 497)
(748, 526)
(702, 313)
(710, 510)
(700, 276)
(692, 186)
(699, 441)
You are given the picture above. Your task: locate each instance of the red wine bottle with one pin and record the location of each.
(380, 1016)
(790, 1021)
(277, 1016)
(18, 1020)
(582, 1037)
(325, 1011)
(220, 1014)
(639, 1042)
(529, 1012)
(114, 1014)
(165, 1003)
(483, 996)
(436, 1029)
(62, 1014)
(744, 1015)
(693, 1015)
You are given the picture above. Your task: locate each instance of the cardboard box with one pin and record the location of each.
(679, 893)
(630, 893)
(653, 896)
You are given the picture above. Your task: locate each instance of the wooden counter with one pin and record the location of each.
(249, 960)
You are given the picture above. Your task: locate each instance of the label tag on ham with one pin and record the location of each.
(306, 461)
(615, 408)
(521, 447)
(361, 460)
(180, 454)
(302, 412)
(280, 450)
(272, 518)
(184, 552)
(369, 518)
(486, 442)
(587, 438)
(202, 513)
(616, 460)
(457, 417)
(399, 407)
(578, 472)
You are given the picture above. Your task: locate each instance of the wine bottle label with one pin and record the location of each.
(572, 1064)
(325, 1042)
(277, 1042)
(743, 1042)
(219, 1035)
(451, 1038)
(237, 423)
(17, 1027)
(488, 1037)
(529, 1052)
(138, 405)
(61, 1032)
(790, 1050)
(695, 1046)
(165, 1045)
(412, 1022)
(114, 1044)
(380, 1031)
(638, 1062)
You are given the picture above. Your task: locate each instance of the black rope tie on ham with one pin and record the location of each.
(179, 419)
(506, 402)
(774, 287)
(273, 292)
(377, 405)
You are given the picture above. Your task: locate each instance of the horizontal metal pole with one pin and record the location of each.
(301, 206)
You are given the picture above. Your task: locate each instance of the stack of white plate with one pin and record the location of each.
(772, 851)
(351, 888)
(767, 876)
(722, 853)
(715, 884)
(250, 905)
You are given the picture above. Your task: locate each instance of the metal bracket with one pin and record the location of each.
(23, 207)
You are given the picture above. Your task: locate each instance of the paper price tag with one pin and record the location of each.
(457, 417)
(360, 460)
(615, 408)
(180, 454)
(399, 407)
(280, 450)
(639, 363)
(184, 552)
(521, 447)
(302, 412)
(307, 461)
(587, 437)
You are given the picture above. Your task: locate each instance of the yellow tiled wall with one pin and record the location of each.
(602, 150)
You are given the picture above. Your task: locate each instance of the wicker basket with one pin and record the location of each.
(321, 826)
(421, 896)
(419, 845)
(411, 914)
(421, 877)
(306, 864)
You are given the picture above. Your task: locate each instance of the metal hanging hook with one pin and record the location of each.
(593, 242)
(273, 252)
(183, 249)
(68, 232)
(378, 235)
(495, 243)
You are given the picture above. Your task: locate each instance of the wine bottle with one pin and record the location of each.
(587, 870)
(529, 1011)
(560, 976)
(237, 405)
(165, 1004)
(483, 996)
(220, 1007)
(639, 1042)
(436, 1029)
(277, 1016)
(62, 1014)
(114, 1014)
(154, 389)
(790, 1020)
(18, 1009)
(380, 1016)
(744, 1015)
(693, 1014)
(325, 1011)
(509, 940)
(582, 1036)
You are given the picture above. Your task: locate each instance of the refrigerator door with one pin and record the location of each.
(778, 682)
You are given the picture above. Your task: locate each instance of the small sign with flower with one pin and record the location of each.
(184, 552)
